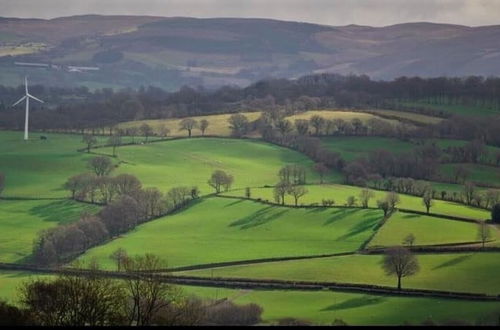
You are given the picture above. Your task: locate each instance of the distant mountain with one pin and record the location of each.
(170, 52)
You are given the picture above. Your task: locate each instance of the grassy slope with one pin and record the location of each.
(427, 230)
(355, 147)
(192, 161)
(222, 229)
(20, 221)
(38, 169)
(478, 173)
(415, 117)
(218, 124)
(355, 309)
(319, 307)
(340, 193)
(464, 110)
(467, 272)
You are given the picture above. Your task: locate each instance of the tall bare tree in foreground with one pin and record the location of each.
(401, 262)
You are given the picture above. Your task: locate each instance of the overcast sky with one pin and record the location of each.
(331, 12)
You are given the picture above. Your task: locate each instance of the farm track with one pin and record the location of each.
(244, 283)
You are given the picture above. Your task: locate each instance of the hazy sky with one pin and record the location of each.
(332, 12)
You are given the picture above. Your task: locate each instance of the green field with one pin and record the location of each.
(223, 229)
(411, 116)
(477, 173)
(461, 272)
(427, 231)
(21, 220)
(353, 308)
(340, 193)
(354, 147)
(318, 307)
(459, 109)
(192, 161)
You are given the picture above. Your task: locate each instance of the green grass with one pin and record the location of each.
(356, 309)
(414, 117)
(21, 220)
(461, 272)
(477, 173)
(38, 169)
(340, 193)
(192, 161)
(223, 229)
(318, 307)
(354, 147)
(464, 110)
(427, 230)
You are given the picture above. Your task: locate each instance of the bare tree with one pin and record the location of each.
(100, 165)
(483, 232)
(284, 126)
(220, 179)
(302, 126)
(297, 192)
(280, 191)
(322, 171)
(351, 201)
(468, 192)
(427, 200)
(146, 130)
(318, 123)
(115, 141)
(90, 140)
(163, 130)
(384, 206)
(401, 262)
(392, 200)
(119, 256)
(238, 124)
(188, 124)
(203, 126)
(148, 294)
(365, 195)
(409, 240)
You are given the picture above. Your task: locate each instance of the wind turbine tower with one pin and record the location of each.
(26, 97)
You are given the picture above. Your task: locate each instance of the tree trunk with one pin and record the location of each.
(399, 282)
(189, 132)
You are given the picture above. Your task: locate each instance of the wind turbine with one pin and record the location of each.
(26, 97)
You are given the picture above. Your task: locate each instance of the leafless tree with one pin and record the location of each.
(297, 192)
(409, 240)
(100, 165)
(401, 262)
(483, 232)
(365, 195)
(188, 124)
(322, 171)
(146, 131)
(427, 200)
(219, 180)
(90, 140)
(203, 126)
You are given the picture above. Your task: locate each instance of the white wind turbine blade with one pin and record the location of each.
(34, 98)
(26, 84)
(20, 100)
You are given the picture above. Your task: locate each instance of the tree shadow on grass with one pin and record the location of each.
(453, 262)
(258, 218)
(339, 215)
(355, 303)
(411, 216)
(368, 223)
(62, 211)
(234, 203)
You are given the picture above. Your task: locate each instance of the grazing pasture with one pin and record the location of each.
(340, 193)
(459, 272)
(354, 308)
(427, 231)
(190, 162)
(21, 220)
(225, 229)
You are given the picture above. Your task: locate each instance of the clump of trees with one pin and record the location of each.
(400, 262)
(238, 124)
(91, 298)
(220, 180)
(127, 205)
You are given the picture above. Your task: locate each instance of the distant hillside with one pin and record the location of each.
(170, 52)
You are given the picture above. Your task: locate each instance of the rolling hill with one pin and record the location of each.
(170, 52)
